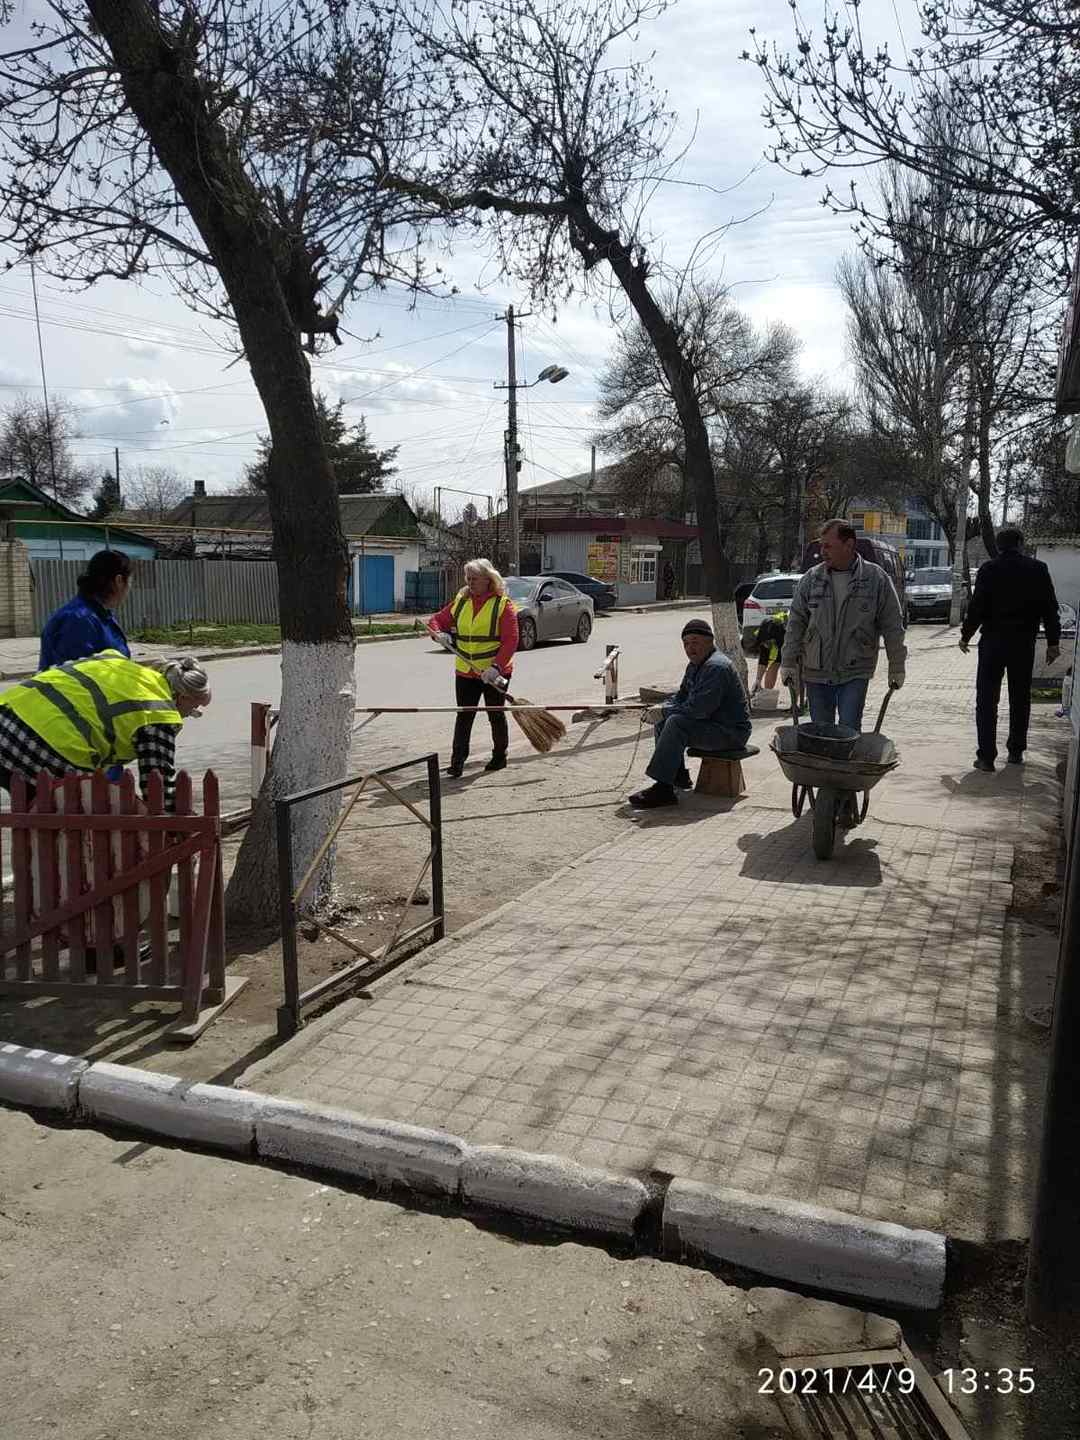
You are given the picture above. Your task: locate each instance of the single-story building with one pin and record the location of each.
(1061, 556)
(630, 553)
(50, 531)
(381, 530)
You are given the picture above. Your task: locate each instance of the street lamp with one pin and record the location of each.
(552, 374)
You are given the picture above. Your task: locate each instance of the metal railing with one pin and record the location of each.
(369, 964)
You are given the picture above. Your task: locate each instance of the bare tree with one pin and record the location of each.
(230, 145)
(153, 491)
(637, 407)
(35, 443)
(1001, 72)
(555, 135)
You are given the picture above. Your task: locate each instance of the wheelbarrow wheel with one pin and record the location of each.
(824, 822)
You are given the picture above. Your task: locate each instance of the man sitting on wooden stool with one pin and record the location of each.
(709, 712)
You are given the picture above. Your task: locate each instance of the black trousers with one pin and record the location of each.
(1012, 654)
(469, 690)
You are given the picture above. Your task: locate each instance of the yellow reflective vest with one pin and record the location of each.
(89, 710)
(476, 636)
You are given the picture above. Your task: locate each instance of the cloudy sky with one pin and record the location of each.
(148, 377)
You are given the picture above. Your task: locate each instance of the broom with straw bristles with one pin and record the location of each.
(540, 727)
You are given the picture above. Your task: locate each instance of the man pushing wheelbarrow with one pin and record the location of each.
(841, 611)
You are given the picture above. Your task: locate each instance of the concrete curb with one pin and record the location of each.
(800, 1244)
(700, 604)
(40, 1080)
(828, 1249)
(382, 1151)
(548, 1187)
(212, 1115)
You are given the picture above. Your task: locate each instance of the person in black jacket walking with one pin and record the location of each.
(1013, 593)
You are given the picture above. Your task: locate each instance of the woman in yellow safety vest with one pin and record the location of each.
(105, 710)
(480, 627)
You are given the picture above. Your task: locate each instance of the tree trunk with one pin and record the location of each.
(160, 74)
(593, 242)
(986, 521)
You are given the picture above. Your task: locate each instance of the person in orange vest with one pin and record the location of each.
(479, 626)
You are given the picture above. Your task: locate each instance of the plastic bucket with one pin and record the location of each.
(832, 742)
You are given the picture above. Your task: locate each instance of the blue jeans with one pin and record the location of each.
(677, 732)
(848, 699)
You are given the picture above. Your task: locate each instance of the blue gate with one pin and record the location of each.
(376, 585)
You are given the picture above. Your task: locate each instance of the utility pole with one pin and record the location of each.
(512, 519)
(44, 386)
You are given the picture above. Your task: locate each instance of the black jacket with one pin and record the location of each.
(1013, 593)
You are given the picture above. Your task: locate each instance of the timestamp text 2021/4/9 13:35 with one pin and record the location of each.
(887, 1378)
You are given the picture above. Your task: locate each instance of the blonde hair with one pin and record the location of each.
(485, 567)
(184, 674)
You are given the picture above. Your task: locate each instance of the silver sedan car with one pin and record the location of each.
(549, 609)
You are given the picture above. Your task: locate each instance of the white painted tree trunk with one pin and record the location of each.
(318, 699)
(725, 621)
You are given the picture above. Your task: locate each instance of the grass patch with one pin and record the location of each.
(203, 636)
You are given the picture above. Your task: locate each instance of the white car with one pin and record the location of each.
(770, 593)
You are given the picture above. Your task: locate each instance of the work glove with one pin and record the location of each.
(491, 676)
(1052, 653)
(789, 678)
(653, 715)
(442, 638)
(896, 680)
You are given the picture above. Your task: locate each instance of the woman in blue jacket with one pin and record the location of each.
(87, 624)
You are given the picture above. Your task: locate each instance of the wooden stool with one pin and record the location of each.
(720, 772)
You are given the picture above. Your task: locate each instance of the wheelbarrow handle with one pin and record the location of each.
(794, 706)
(881, 712)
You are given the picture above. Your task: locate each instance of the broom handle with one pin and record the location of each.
(458, 709)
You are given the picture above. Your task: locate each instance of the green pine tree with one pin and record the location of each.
(359, 468)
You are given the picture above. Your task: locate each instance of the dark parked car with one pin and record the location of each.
(741, 593)
(604, 596)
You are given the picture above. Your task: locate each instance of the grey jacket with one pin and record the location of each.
(835, 647)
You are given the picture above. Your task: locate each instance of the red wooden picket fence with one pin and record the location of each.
(85, 910)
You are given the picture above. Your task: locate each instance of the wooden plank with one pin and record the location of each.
(189, 824)
(197, 923)
(101, 873)
(191, 956)
(75, 872)
(183, 1033)
(215, 940)
(117, 991)
(48, 877)
(22, 886)
(158, 920)
(129, 861)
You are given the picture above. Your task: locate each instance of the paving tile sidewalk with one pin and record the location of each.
(703, 998)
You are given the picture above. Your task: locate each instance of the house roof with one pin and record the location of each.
(360, 514)
(618, 525)
(571, 485)
(17, 492)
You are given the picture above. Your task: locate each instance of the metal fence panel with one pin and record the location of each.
(241, 591)
(172, 592)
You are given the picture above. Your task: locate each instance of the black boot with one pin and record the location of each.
(654, 797)
(455, 769)
(497, 761)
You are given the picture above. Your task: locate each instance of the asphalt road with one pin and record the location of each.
(415, 672)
